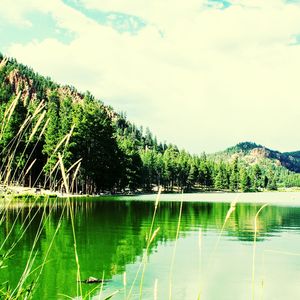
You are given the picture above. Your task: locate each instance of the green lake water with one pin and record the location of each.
(111, 239)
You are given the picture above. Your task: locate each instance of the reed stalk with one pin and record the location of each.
(155, 289)
(28, 142)
(62, 167)
(151, 237)
(254, 249)
(144, 261)
(174, 250)
(211, 263)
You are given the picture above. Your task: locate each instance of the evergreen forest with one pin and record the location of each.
(103, 152)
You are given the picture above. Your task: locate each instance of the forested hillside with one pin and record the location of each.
(253, 153)
(103, 152)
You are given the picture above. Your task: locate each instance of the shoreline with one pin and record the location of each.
(19, 191)
(272, 198)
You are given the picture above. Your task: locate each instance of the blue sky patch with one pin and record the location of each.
(213, 3)
(118, 21)
(43, 26)
(296, 40)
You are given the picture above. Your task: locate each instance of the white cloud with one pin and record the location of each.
(13, 13)
(214, 78)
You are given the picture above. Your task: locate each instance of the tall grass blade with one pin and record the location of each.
(3, 62)
(155, 289)
(150, 239)
(174, 250)
(37, 125)
(62, 167)
(254, 249)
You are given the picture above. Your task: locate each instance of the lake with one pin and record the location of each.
(209, 257)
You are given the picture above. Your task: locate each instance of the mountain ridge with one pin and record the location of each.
(255, 153)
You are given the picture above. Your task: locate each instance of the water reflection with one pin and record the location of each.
(111, 235)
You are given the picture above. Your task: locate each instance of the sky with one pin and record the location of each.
(201, 74)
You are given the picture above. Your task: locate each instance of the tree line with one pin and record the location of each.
(178, 170)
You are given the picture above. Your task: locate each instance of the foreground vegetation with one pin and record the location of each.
(100, 149)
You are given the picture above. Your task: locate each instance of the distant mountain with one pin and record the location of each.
(295, 154)
(252, 153)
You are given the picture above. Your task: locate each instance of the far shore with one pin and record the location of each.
(191, 196)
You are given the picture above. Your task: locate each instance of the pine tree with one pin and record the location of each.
(234, 176)
(257, 178)
(245, 182)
